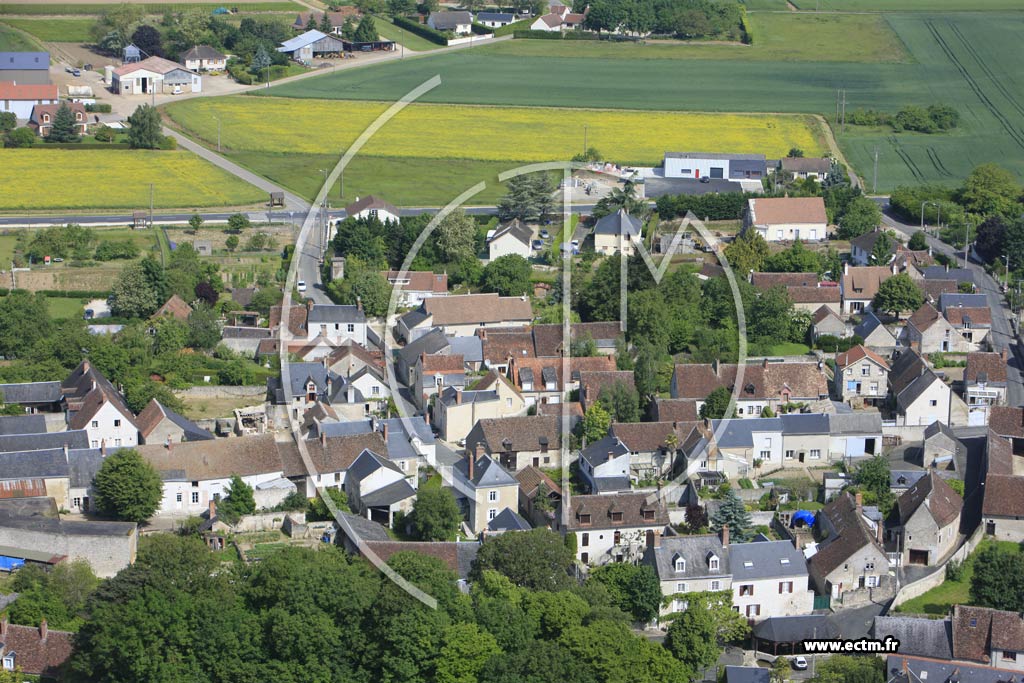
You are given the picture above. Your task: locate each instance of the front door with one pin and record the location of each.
(990, 528)
(860, 582)
(536, 462)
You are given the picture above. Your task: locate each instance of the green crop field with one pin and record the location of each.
(59, 8)
(389, 31)
(56, 30)
(779, 37)
(908, 5)
(770, 5)
(13, 41)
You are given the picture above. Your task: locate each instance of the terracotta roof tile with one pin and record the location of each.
(1004, 496)
(992, 366)
(770, 211)
(768, 280)
(531, 477)
(648, 437)
(21, 92)
(858, 353)
(978, 630)
(547, 339)
(600, 508)
(498, 347)
(526, 433)
(296, 319)
(419, 280)
(443, 364)
(1006, 421)
(593, 383)
(813, 295)
(977, 316)
(942, 502)
(674, 410)
(174, 307)
(767, 380)
(216, 459)
(35, 655)
(472, 309)
(861, 282)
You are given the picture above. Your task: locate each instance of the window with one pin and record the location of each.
(680, 564)
(874, 387)
(746, 589)
(753, 611)
(77, 502)
(9, 662)
(585, 539)
(648, 515)
(117, 442)
(117, 423)
(177, 497)
(766, 455)
(492, 496)
(815, 453)
(713, 564)
(616, 516)
(790, 454)
(95, 424)
(492, 513)
(195, 484)
(785, 586)
(933, 403)
(865, 370)
(778, 234)
(375, 390)
(351, 328)
(849, 371)
(95, 443)
(195, 497)
(584, 557)
(872, 581)
(681, 605)
(869, 566)
(403, 464)
(716, 585)
(1009, 655)
(508, 402)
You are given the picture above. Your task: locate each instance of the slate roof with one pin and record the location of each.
(430, 343)
(600, 507)
(155, 412)
(747, 674)
(848, 534)
(858, 353)
(36, 464)
(903, 669)
(458, 556)
(83, 464)
(795, 210)
(804, 423)
(806, 165)
(985, 367)
(31, 392)
(495, 16)
(868, 324)
(866, 241)
(764, 281)
(76, 438)
(765, 380)
(387, 495)
(765, 560)
(24, 61)
(941, 501)
(445, 21)
(694, 550)
(917, 635)
(795, 629)
(300, 373)
(946, 273)
(515, 229)
(217, 459)
(22, 424)
(916, 389)
(201, 52)
(335, 313)
(486, 472)
(950, 300)
(239, 332)
(905, 369)
(508, 520)
(526, 433)
(715, 156)
(86, 390)
(977, 630)
(35, 655)
(619, 223)
(602, 450)
(674, 410)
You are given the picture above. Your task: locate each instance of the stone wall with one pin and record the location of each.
(257, 392)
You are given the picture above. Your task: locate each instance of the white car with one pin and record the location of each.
(301, 286)
(799, 663)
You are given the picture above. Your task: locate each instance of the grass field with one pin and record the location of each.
(484, 133)
(907, 5)
(12, 41)
(7, 244)
(389, 31)
(56, 30)
(65, 307)
(771, 5)
(158, 7)
(780, 38)
(938, 600)
(35, 179)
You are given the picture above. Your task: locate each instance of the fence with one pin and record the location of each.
(469, 39)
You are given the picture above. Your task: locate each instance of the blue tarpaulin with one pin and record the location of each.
(9, 564)
(805, 516)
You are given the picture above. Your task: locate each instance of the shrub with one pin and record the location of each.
(98, 108)
(421, 30)
(109, 251)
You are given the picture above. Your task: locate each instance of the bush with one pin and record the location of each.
(421, 30)
(98, 108)
(109, 251)
(716, 207)
(480, 30)
(832, 344)
(954, 570)
(168, 143)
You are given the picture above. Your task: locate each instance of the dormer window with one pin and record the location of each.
(974, 623)
(78, 116)
(46, 118)
(617, 517)
(712, 562)
(9, 661)
(679, 564)
(585, 520)
(648, 515)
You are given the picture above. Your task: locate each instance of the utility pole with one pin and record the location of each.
(218, 132)
(844, 111)
(837, 106)
(874, 183)
(151, 205)
(584, 139)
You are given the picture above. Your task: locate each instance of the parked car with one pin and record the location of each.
(544, 234)
(799, 663)
(68, 69)
(58, 259)
(301, 285)
(76, 73)
(705, 179)
(538, 245)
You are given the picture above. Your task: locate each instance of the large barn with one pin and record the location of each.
(154, 74)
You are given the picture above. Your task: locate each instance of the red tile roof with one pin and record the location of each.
(991, 365)
(858, 353)
(771, 211)
(11, 91)
(419, 280)
(978, 316)
(1006, 421)
(34, 654)
(767, 380)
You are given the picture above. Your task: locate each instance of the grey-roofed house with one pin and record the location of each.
(483, 489)
(507, 520)
(617, 232)
(512, 238)
(901, 480)
(921, 396)
(377, 488)
(73, 438)
(747, 674)
(430, 343)
(458, 22)
(770, 579)
(83, 464)
(308, 384)
(854, 435)
(715, 165)
(604, 465)
(785, 635)
(495, 19)
(336, 324)
(947, 273)
(470, 348)
(849, 558)
(688, 564)
(22, 424)
(901, 668)
(949, 300)
(305, 47)
(36, 396)
(917, 635)
(25, 68)
(875, 335)
(942, 448)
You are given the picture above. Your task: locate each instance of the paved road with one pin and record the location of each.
(1002, 336)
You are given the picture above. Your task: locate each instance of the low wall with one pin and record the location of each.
(906, 433)
(257, 392)
(263, 521)
(926, 583)
(470, 39)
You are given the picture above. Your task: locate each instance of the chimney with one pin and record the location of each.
(482, 333)
(715, 367)
(653, 539)
(764, 363)
(947, 267)
(43, 631)
(65, 451)
(103, 446)
(470, 458)
(479, 450)
(85, 366)
(879, 529)
(359, 304)
(860, 502)
(895, 268)
(213, 508)
(1002, 354)
(846, 268)
(3, 628)
(385, 430)
(725, 535)
(611, 456)
(323, 438)
(458, 396)
(309, 305)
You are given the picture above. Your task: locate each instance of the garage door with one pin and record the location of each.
(919, 557)
(717, 172)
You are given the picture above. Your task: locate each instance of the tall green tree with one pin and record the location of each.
(716, 404)
(770, 315)
(882, 251)
(240, 500)
(596, 422)
(435, 516)
(127, 487)
(24, 323)
(145, 127)
(860, 216)
(366, 32)
(733, 513)
(635, 589)
(998, 579)
(536, 559)
(919, 242)
(464, 653)
(131, 296)
(63, 129)
(508, 275)
(748, 252)
(692, 639)
(989, 190)
(847, 669)
(897, 294)
(456, 236)
(622, 401)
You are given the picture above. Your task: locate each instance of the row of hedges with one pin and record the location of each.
(98, 108)
(421, 30)
(748, 30)
(555, 35)
(521, 25)
(64, 293)
(480, 30)
(87, 145)
(713, 206)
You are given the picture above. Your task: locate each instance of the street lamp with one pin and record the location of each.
(938, 215)
(218, 132)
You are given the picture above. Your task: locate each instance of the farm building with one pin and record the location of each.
(154, 74)
(708, 165)
(20, 99)
(787, 218)
(311, 44)
(337, 19)
(25, 68)
(204, 58)
(43, 115)
(460, 23)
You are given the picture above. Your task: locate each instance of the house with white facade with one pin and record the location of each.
(688, 564)
(927, 521)
(518, 442)
(617, 232)
(859, 284)
(371, 206)
(93, 404)
(787, 218)
(984, 384)
(378, 489)
(19, 99)
(921, 396)
(464, 314)
(495, 19)
(862, 376)
(862, 248)
(336, 324)
(801, 168)
(204, 58)
(849, 556)
(514, 237)
(417, 285)
(458, 22)
(769, 579)
(604, 466)
(715, 166)
(612, 527)
(764, 385)
(154, 75)
(482, 489)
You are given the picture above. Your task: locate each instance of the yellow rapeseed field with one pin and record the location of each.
(440, 131)
(44, 178)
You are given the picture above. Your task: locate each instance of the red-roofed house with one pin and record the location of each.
(43, 115)
(417, 285)
(861, 374)
(787, 218)
(37, 651)
(21, 98)
(154, 74)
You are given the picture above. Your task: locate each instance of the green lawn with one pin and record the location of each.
(56, 30)
(788, 349)
(153, 8)
(12, 41)
(65, 307)
(405, 181)
(7, 243)
(908, 5)
(771, 5)
(938, 600)
(389, 31)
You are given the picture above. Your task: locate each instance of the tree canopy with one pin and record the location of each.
(897, 294)
(435, 516)
(127, 487)
(508, 275)
(536, 559)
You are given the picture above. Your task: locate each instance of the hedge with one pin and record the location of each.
(421, 30)
(481, 30)
(85, 145)
(748, 30)
(99, 108)
(509, 29)
(714, 206)
(554, 35)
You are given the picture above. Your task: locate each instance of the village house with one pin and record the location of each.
(604, 466)
(862, 248)
(373, 207)
(22, 99)
(673, 410)
(801, 168)
(433, 374)
(987, 636)
(849, 557)
(336, 324)
(921, 396)
(1002, 508)
(540, 380)
(539, 495)
(432, 342)
(787, 218)
(926, 521)
(859, 284)
(378, 489)
(495, 19)
(826, 322)
(458, 22)
(765, 385)
(457, 410)
(154, 74)
(810, 299)
(513, 237)
(548, 341)
(688, 564)
(942, 450)
(93, 404)
(876, 336)
(158, 424)
(612, 527)
(769, 579)
(499, 347)
(652, 446)
(862, 376)
(417, 285)
(463, 314)
(307, 383)
(517, 442)
(482, 489)
(1008, 422)
(984, 384)
(43, 115)
(617, 232)
(204, 58)
(332, 448)
(26, 68)
(34, 650)
(34, 397)
(972, 324)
